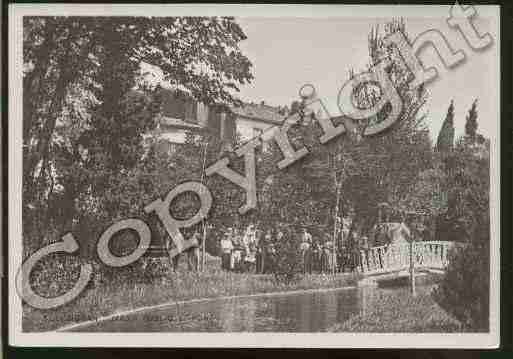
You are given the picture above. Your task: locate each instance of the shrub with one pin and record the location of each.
(464, 290)
(288, 259)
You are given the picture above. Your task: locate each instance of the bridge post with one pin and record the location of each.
(445, 251)
(372, 255)
(362, 261)
(405, 255)
(412, 268)
(421, 252)
(387, 257)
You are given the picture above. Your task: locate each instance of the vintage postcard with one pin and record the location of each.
(254, 176)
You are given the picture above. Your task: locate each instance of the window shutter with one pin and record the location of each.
(172, 105)
(214, 121)
(202, 111)
(230, 127)
(190, 112)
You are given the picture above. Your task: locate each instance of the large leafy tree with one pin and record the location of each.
(84, 125)
(368, 170)
(188, 162)
(302, 192)
(389, 163)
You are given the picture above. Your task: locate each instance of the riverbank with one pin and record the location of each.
(393, 311)
(107, 299)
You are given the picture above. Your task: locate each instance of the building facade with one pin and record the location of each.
(181, 114)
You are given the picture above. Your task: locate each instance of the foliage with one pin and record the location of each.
(302, 192)
(445, 140)
(287, 264)
(471, 122)
(394, 312)
(428, 195)
(468, 184)
(87, 109)
(368, 170)
(464, 291)
(188, 162)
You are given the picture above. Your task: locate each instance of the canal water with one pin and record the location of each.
(313, 311)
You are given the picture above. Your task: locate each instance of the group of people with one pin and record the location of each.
(254, 250)
(245, 251)
(317, 255)
(318, 249)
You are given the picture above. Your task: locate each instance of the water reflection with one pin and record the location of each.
(305, 312)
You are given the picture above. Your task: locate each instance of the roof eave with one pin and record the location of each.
(272, 122)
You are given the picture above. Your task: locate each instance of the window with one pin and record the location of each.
(257, 132)
(179, 106)
(190, 111)
(165, 147)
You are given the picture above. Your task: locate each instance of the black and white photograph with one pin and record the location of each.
(254, 176)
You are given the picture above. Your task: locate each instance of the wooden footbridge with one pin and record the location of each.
(397, 257)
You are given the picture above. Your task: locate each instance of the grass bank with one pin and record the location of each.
(107, 298)
(399, 311)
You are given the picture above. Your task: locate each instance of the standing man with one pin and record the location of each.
(226, 250)
(259, 251)
(316, 256)
(248, 241)
(324, 255)
(330, 255)
(306, 251)
(193, 253)
(365, 247)
(354, 250)
(266, 253)
(238, 250)
(250, 257)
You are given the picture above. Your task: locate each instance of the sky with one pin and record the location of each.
(288, 52)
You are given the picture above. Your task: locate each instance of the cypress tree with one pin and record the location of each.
(471, 123)
(445, 140)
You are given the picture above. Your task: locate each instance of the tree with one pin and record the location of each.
(445, 140)
(202, 149)
(428, 195)
(287, 264)
(464, 290)
(471, 122)
(389, 163)
(375, 169)
(295, 107)
(83, 124)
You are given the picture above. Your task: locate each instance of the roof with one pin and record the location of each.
(384, 204)
(259, 112)
(176, 122)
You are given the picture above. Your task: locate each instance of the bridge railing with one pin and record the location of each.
(388, 258)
